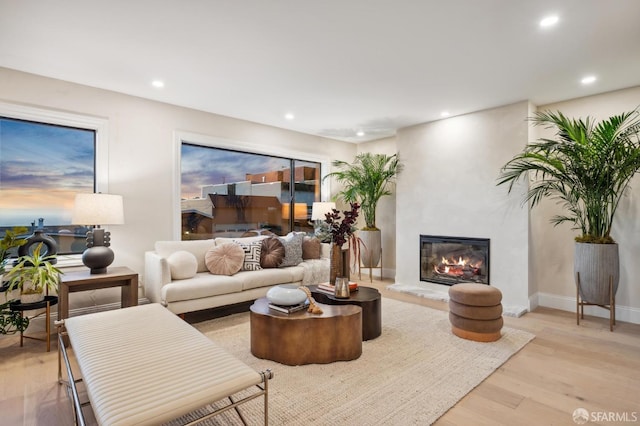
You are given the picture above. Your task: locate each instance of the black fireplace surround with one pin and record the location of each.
(452, 260)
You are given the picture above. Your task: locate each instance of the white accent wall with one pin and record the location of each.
(448, 187)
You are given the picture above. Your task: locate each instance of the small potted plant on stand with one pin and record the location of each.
(33, 275)
(10, 321)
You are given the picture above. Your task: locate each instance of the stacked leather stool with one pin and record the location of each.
(475, 312)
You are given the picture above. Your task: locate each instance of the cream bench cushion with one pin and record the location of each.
(144, 366)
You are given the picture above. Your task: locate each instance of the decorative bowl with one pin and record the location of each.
(286, 295)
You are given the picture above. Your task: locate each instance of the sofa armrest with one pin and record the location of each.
(156, 275)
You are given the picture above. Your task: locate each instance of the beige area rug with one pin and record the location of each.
(412, 374)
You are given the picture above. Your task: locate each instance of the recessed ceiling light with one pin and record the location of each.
(289, 116)
(157, 83)
(549, 21)
(588, 79)
(360, 133)
(444, 114)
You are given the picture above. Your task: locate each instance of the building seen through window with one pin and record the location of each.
(230, 193)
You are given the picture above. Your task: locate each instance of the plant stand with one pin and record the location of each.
(580, 304)
(370, 268)
(47, 303)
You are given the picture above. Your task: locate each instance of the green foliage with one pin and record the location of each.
(9, 241)
(11, 321)
(587, 168)
(366, 181)
(34, 273)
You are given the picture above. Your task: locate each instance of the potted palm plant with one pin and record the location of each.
(587, 169)
(33, 275)
(365, 181)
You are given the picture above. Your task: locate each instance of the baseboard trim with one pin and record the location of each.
(564, 303)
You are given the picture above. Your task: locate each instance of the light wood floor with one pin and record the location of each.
(564, 368)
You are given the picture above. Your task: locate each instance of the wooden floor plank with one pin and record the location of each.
(565, 367)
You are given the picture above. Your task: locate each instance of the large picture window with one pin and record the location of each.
(229, 193)
(42, 167)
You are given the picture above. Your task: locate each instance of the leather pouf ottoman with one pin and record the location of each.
(475, 312)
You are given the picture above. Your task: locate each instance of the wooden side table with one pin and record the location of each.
(46, 304)
(368, 298)
(119, 276)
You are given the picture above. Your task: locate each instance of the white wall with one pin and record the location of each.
(448, 187)
(554, 246)
(141, 150)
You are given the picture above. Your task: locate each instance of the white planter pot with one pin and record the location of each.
(597, 264)
(371, 248)
(31, 297)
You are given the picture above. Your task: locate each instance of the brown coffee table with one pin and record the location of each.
(303, 338)
(367, 298)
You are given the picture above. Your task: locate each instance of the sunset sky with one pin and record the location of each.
(204, 166)
(42, 167)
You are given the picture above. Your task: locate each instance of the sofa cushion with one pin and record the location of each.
(251, 255)
(202, 285)
(265, 277)
(272, 253)
(292, 248)
(182, 264)
(196, 247)
(311, 248)
(225, 259)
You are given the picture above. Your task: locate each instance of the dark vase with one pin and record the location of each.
(49, 245)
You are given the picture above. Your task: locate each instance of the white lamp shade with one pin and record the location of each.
(98, 209)
(320, 209)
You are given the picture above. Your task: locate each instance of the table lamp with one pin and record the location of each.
(95, 210)
(320, 209)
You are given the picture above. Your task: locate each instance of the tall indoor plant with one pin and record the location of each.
(586, 168)
(365, 181)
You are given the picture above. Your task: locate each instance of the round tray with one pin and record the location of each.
(18, 306)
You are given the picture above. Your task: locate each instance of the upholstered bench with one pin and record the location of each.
(145, 366)
(475, 312)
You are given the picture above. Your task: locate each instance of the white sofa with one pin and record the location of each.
(205, 290)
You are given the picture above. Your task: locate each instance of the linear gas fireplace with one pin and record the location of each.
(452, 260)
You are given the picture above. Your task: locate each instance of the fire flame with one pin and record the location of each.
(461, 267)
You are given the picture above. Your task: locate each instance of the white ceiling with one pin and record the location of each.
(339, 65)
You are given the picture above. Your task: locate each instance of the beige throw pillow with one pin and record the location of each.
(182, 265)
(225, 259)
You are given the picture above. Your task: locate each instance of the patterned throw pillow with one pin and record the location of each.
(225, 259)
(272, 253)
(251, 255)
(292, 248)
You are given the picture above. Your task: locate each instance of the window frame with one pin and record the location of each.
(233, 145)
(50, 116)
